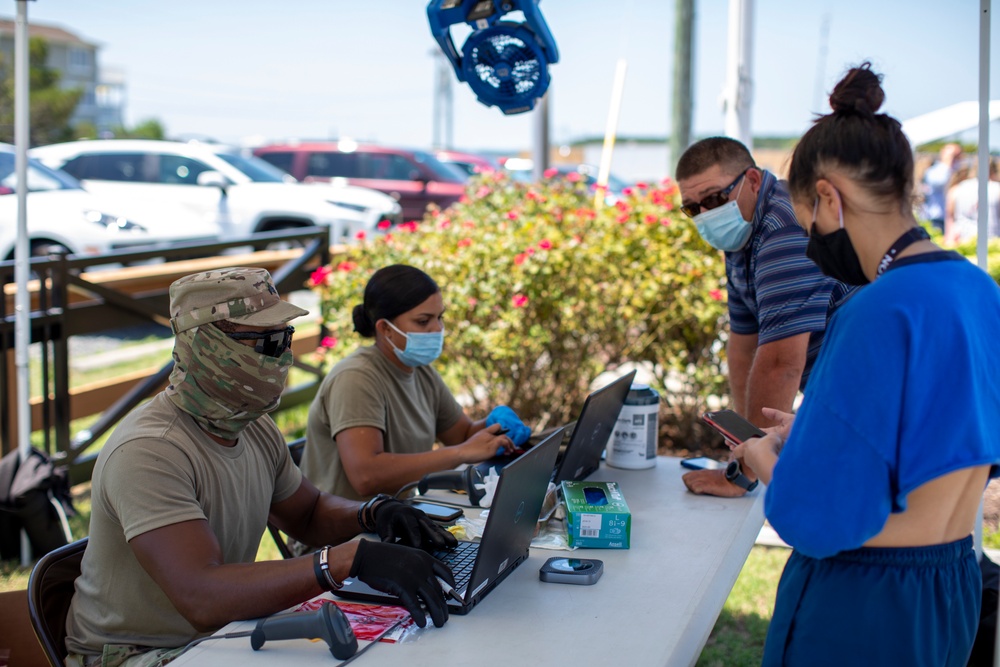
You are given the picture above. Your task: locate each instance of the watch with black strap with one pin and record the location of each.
(735, 475)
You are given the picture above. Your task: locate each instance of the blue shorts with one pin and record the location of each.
(909, 606)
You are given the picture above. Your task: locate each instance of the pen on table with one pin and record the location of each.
(448, 590)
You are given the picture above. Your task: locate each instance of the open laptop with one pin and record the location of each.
(479, 566)
(590, 434)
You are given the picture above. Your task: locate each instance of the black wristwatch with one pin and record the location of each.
(735, 475)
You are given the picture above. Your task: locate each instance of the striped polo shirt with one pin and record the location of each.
(775, 291)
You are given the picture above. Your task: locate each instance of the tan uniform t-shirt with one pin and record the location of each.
(366, 389)
(159, 468)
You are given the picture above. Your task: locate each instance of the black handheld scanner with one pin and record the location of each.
(327, 623)
(468, 481)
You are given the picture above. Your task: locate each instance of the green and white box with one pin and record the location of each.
(597, 515)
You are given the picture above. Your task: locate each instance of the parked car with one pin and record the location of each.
(412, 177)
(470, 163)
(219, 185)
(63, 217)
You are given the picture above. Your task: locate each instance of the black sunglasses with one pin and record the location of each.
(714, 200)
(271, 343)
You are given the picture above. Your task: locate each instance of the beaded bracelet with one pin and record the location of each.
(321, 568)
(366, 513)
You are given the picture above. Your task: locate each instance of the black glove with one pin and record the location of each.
(407, 573)
(397, 521)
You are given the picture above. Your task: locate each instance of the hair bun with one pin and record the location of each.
(860, 91)
(362, 323)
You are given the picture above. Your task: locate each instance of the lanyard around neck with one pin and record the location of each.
(912, 235)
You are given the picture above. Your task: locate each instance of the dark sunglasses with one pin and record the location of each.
(271, 343)
(714, 200)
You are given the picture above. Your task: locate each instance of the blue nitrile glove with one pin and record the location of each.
(508, 419)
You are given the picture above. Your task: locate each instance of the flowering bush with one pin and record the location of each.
(544, 292)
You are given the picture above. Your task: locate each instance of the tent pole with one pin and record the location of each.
(22, 307)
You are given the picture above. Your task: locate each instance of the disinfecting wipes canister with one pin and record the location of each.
(633, 442)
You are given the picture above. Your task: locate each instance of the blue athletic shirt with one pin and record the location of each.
(905, 390)
(774, 290)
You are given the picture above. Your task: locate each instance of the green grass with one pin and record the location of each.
(738, 637)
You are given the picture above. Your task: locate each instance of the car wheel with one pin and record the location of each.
(43, 248)
(283, 245)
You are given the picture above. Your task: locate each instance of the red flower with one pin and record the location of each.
(444, 224)
(473, 301)
(623, 218)
(384, 224)
(545, 244)
(347, 266)
(650, 218)
(360, 235)
(482, 191)
(530, 252)
(716, 295)
(573, 177)
(319, 276)
(519, 258)
(468, 224)
(550, 173)
(465, 242)
(464, 199)
(641, 185)
(519, 301)
(511, 215)
(665, 222)
(627, 192)
(577, 239)
(328, 342)
(410, 226)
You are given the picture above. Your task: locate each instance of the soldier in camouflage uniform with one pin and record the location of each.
(185, 485)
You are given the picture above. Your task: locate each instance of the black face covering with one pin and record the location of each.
(835, 256)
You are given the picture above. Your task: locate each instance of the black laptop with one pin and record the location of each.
(589, 434)
(479, 566)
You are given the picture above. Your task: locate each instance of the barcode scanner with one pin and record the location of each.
(469, 481)
(327, 623)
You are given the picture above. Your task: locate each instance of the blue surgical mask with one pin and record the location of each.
(724, 227)
(421, 348)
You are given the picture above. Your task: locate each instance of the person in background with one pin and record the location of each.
(779, 301)
(875, 482)
(373, 424)
(961, 218)
(936, 181)
(185, 485)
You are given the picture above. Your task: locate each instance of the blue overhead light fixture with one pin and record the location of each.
(506, 63)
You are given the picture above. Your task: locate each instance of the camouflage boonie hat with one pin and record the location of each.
(242, 295)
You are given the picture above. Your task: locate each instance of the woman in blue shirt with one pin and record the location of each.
(877, 479)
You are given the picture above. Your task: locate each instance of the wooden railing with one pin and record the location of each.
(69, 298)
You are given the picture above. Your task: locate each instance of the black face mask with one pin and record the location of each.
(835, 256)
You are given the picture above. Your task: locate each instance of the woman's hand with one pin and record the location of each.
(485, 444)
(784, 422)
(760, 454)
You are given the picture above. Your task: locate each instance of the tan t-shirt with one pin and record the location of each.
(159, 468)
(366, 389)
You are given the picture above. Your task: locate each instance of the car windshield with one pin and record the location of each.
(40, 177)
(256, 169)
(448, 173)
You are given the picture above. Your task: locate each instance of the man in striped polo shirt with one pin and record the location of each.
(779, 301)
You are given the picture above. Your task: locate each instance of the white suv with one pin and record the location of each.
(63, 217)
(218, 185)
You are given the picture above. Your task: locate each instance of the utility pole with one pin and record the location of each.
(680, 133)
(444, 103)
(739, 78)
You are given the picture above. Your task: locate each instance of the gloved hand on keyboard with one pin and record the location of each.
(517, 431)
(407, 573)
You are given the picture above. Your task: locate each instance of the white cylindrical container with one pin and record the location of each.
(633, 442)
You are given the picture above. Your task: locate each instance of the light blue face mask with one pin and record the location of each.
(421, 348)
(724, 227)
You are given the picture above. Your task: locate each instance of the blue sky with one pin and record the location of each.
(232, 69)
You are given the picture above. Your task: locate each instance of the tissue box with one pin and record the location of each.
(597, 515)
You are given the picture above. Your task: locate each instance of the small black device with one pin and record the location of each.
(441, 513)
(702, 463)
(468, 481)
(732, 426)
(327, 623)
(580, 571)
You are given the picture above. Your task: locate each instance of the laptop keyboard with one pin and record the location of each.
(460, 560)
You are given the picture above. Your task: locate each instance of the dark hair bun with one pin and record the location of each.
(860, 91)
(362, 323)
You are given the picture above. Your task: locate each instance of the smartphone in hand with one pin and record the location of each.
(732, 426)
(702, 463)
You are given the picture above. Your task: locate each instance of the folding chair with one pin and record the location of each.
(50, 589)
(295, 448)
